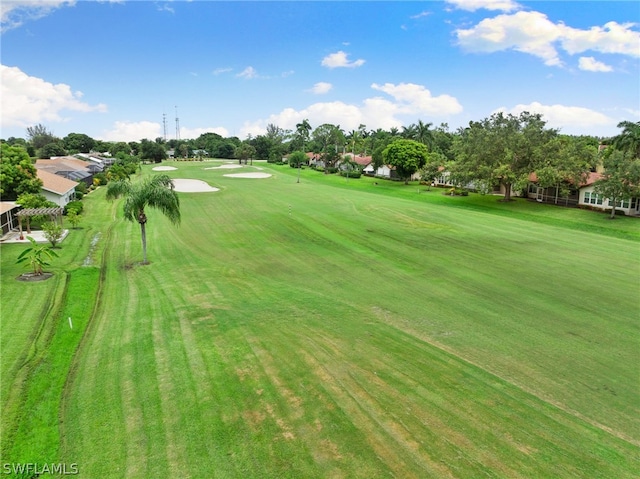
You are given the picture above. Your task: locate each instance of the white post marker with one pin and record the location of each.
(70, 323)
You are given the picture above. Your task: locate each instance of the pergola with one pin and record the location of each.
(53, 213)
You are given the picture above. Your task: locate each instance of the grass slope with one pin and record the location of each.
(329, 330)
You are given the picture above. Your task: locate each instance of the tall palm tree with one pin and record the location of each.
(629, 138)
(424, 134)
(155, 192)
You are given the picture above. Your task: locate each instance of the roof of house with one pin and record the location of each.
(591, 179)
(62, 163)
(363, 160)
(7, 206)
(54, 183)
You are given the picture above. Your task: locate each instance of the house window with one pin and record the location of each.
(591, 198)
(623, 204)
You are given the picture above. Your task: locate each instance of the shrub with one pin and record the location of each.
(77, 206)
(351, 174)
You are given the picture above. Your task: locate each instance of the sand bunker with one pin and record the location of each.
(163, 168)
(224, 167)
(192, 186)
(248, 175)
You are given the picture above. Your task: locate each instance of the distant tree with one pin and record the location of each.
(504, 148)
(297, 159)
(424, 135)
(434, 162)
(621, 177)
(408, 156)
(303, 132)
(244, 152)
(39, 136)
(155, 192)
(36, 256)
(18, 175)
(328, 140)
(78, 143)
(152, 151)
(224, 149)
(55, 148)
(119, 147)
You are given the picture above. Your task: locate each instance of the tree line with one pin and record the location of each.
(501, 149)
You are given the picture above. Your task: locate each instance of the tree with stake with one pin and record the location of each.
(155, 192)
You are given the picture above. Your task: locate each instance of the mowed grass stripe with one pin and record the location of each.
(257, 334)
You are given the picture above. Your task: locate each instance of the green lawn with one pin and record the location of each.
(329, 329)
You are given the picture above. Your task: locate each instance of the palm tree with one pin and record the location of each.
(36, 255)
(424, 134)
(155, 192)
(629, 138)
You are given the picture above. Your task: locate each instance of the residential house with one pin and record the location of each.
(71, 168)
(56, 188)
(589, 198)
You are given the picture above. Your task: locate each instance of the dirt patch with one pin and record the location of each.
(32, 277)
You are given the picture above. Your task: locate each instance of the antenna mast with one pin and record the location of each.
(164, 125)
(177, 125)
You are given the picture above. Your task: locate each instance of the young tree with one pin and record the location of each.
(74, 218)
(621, 178)
(53, 232)
(504, 148)
(36, 256)
(431, 168)
(155, 192)
(408, 156)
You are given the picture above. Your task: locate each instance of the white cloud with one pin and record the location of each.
(528, 32)
(590, 64)
(340, 60)
(219, 71)
(321, 88)
(411, 98)
(572, 120)
(408, 100)
(133, 131)
(248, 73)
(27, 100)
(535, 34)
(420, 15)
(611, 38)
(473, 5)
(14, 13)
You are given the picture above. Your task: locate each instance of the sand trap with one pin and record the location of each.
(225, 167)
(192, 186)
(163, 168)
(248, 175)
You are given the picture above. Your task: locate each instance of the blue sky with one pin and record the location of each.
(112, 69)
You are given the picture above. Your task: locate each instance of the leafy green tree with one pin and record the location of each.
(244, 152)
(34, 200)
(408, 156)
(18, 175)
(620, 179)
(120, 147)
(435, 161)
(53, 232)
(154, 192)
(303, 133)
(74, 218)
(78, 143)
(297, 159)
(152, 151)
(503, 148)
(36, 256)
(54, 148)
(567, 163)
(328, 140)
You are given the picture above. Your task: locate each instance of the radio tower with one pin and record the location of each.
(164, 125)
(177, 125)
